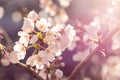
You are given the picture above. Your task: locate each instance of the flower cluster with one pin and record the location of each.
(47, 41)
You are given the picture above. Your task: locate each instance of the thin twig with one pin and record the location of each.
(10, 44)
(87, 59)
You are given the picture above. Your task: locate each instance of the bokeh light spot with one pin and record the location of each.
(17, 16)
(1, 12)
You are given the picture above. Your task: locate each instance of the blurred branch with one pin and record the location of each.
(9, 45)
(93, 52)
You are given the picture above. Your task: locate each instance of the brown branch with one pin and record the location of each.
(9, 45)
(29, 69)
(87, 59)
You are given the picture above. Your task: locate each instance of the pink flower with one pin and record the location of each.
(28, 25)
(24, 37)
(33, 15)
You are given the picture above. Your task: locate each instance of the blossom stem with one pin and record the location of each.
(81, 64)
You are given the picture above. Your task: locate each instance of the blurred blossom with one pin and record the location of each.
(95, 59)
(65, 3)
(115, 2)
(111, 69)
(58, 73)
(63, 16)
(72, 46)
(16, 16)
(86, 78)
(80, 56)
(110, 10)
(116, 41)
(74, 43)
(1, 12)
(93, 28)
(43, 14)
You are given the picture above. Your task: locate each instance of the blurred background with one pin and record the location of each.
(88, 17)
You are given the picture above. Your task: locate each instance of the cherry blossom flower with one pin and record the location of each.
(35, 60)
(59, 73)
(9, 58)
(62, 42)
(50, 37)
(20, 49)
(33, 15)
(43, 24)
(28, 25)
(70, 32)
(24, 38)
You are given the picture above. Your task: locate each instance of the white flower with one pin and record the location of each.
(70, 32)
(59, 73)
(33, 15)
(50, 37)
(9, 57)
(28, 25)
(20, 49)
(24, 37)
(56, 29)
(46, 56)
(42, 24)
(73, 45)
(35, 60)
(62, 42)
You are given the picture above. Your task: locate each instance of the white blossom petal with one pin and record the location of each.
(28, 25)
(59, 73)
(33, 15)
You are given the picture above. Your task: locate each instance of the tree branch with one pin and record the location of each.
(30, 70)
(84, 62)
